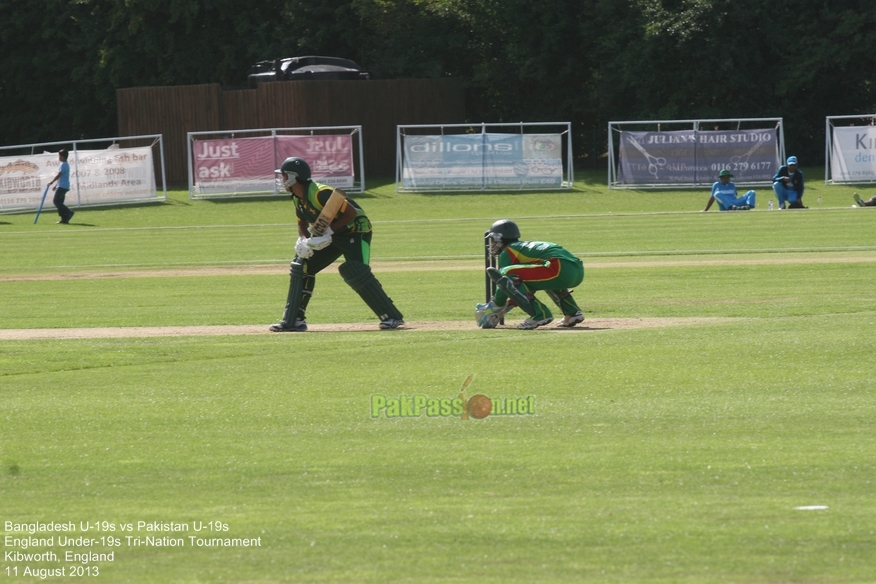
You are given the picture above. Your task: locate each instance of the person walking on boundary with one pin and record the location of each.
(526, 266)
(788, 185)
(724, 192)
(63, 186)
(348, 234)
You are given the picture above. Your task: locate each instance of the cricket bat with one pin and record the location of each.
(329, 212)
(40, 208)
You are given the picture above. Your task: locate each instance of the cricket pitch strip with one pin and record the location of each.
(589, 325)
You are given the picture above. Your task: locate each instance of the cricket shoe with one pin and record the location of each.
(531, 323)
(282, 327)
(571, 320)
(391, 323)
(859, 200)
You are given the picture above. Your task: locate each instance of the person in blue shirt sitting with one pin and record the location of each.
(788, 185)
(724, 193)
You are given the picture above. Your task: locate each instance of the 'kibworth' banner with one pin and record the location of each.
(853, 158)
(246, 165)
(696, 157)
(97, 177)
(482, 161)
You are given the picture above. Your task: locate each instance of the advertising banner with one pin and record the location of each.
(241, 165)
(691, 156)
(246, 165)
(853, 158)
(482, 161)
(97, 177)
(330, 156)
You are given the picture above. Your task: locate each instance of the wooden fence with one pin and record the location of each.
(377, 105)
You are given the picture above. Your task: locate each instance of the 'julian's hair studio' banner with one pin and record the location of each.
(696, 156)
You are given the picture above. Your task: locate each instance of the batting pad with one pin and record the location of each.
(358, 276)
(293, 299)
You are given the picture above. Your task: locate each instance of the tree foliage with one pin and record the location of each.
(585, 61)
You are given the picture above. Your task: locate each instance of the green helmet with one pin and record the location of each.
(295, 169)
(506, 228)
(501, 233)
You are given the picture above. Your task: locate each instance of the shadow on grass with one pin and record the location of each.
(280, 197)
(244, 199)
(117, 206)
(585, 181)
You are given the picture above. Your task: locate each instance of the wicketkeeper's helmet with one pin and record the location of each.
(501, 233)
(295, 169)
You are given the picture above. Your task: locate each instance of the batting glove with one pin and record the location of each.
(319, 242)
(302, 250)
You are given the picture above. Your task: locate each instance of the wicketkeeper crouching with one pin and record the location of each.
(526, 266)
(348, 234)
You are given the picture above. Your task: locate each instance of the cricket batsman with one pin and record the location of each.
(330, 224)
(523, 268)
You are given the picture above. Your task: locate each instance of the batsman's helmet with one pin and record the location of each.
(501, 233)
(295, 169)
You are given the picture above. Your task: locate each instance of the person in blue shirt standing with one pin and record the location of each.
(63, 186)
(724, 192)
(788, 185)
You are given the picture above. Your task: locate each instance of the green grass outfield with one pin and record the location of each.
(680, 451)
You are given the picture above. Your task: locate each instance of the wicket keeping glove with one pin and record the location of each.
(488, 315)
